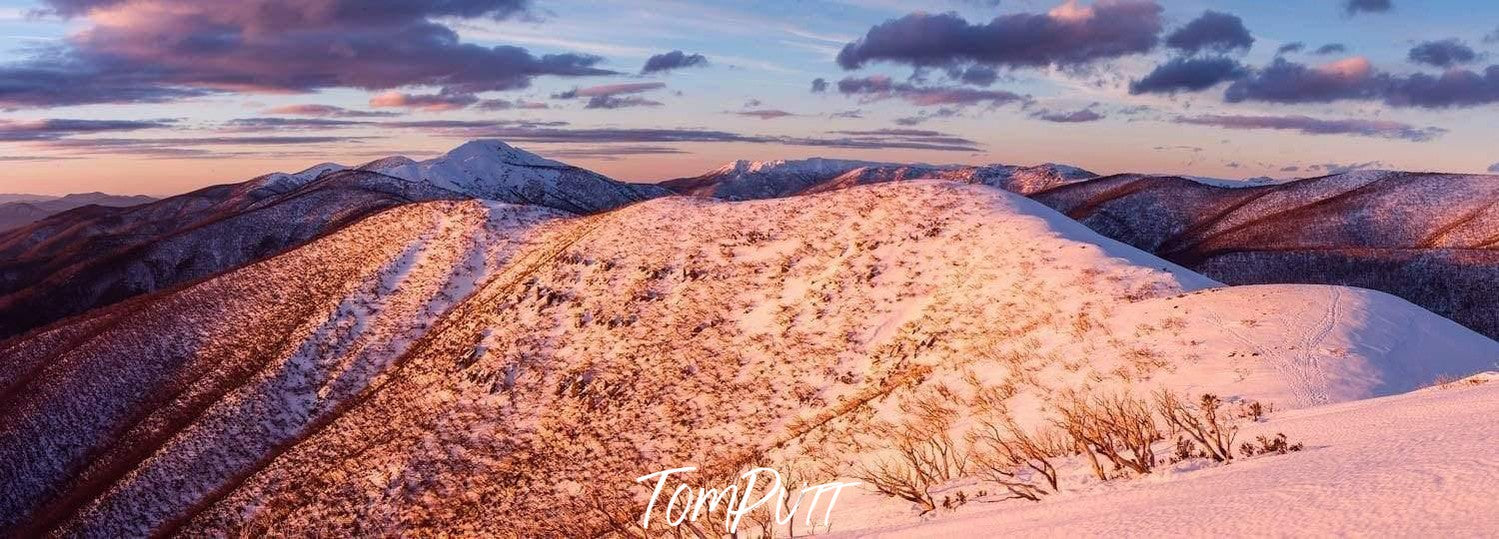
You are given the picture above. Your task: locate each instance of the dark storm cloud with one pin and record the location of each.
(1068, 35)
(1213, 31)
(1315, 126)
(877, 87)
(1188, 75)
(819, 85)
(1443, 53)
(1366, 6)
(161, 50)
(673, 60)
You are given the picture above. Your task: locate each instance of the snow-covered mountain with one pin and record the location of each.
(753, 180)
(493, 170)
(475, 368)
(94, 256)
(1430, 238)
(756, 180)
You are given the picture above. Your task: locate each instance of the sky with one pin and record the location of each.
(163, 96)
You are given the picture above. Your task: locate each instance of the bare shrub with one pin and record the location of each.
(1254, 410)
(922, 454)
(1019, 461)
(1118, 427)
(1205, 423)
(1277, 444)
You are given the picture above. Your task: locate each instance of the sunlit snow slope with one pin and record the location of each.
(577, 354)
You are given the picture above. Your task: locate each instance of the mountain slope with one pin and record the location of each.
(1430, 238)
(220, 374)
(493, 170)
(773, 331)
(95, 256)
(44, 289)
(20, 212)
(757, 180)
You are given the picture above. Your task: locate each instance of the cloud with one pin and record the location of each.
(1331, 48)
(547, 135)
(610, 153)
(613, 102)
(1494, 168)
(1353, 7)
(978, 75)
(1189, 75)
(610, 90)
(162, 50)
(923, 116)
(1356, 79)
(460, 126)
(1294, 46)
(1335, 168)
(53, 129)
(185, 147)
(1213, 31)
(1284, 81)
(1492, 37)
(1083, 115)
(764, 114)
(328, 110)
(30, 158)
(256, 124)
(506, 104)
(1315, 126)
(879, 87)
(673, 60)
(427, 102)
(1068, 35)
(819, 85)
(1444, 53)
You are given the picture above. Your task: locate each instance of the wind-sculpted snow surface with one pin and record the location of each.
(1414, 465)
(1430, 238)
(124, 420)
(582, 353)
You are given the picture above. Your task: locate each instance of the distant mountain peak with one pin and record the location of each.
(819, 165)
(494, 149)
